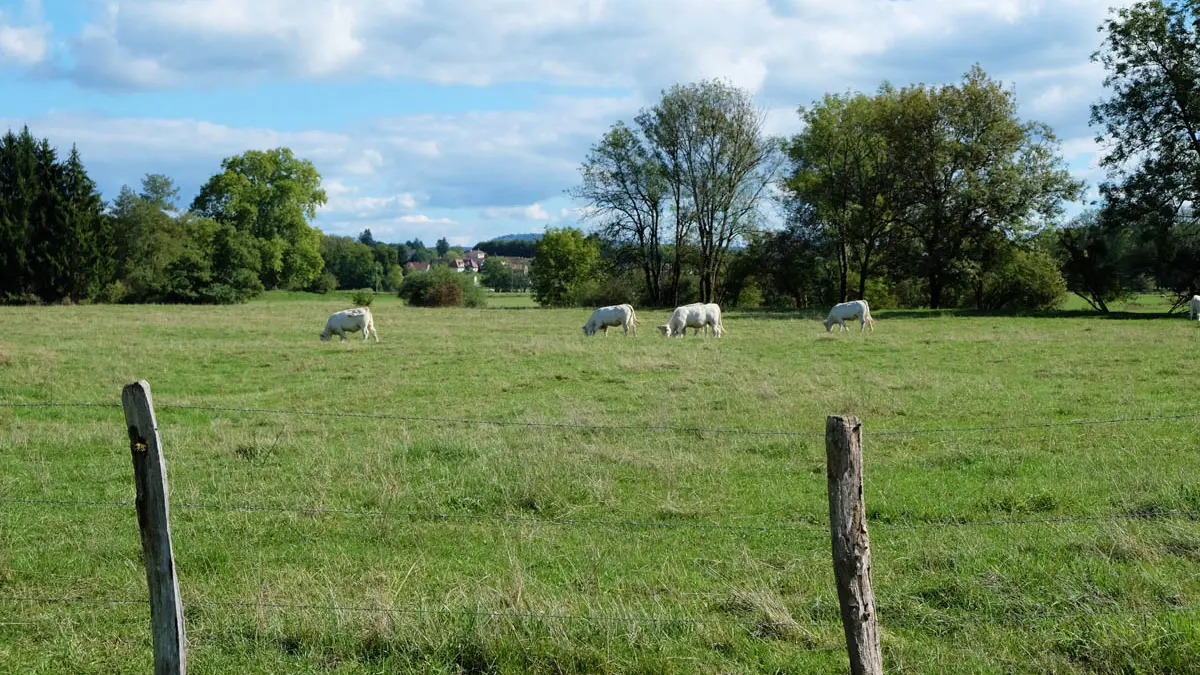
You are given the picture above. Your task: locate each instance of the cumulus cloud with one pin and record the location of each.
(23, 40)
(508, 168)
(501, 167)
(533, 212)
(770, 45)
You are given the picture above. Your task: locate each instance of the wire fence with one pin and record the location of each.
(944, 522)
(579, 426)
(436, 516)
(949, 522)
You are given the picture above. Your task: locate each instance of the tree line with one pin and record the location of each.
(248, 230)
(925, 195)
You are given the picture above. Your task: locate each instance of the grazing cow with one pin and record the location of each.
(1194, 308)
(355, 319)
(613, 315)
(696, 315)
(855, 309)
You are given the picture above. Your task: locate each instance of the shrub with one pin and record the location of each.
(612, 290)
(21, 299)
(1025, 279)
(441, 287)
(363, 297)
(445, 294)
(324, 283)
(393, 278)
(113, 292)
(751, 295)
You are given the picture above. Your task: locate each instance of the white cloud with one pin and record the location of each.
(758, 44)
(533, 212)
(424, 220)
(23, 42)
(507, 168)
(366, 163)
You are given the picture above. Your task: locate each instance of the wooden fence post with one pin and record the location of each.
(153, 514)
(851, 545)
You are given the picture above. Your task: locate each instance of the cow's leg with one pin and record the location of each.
(342, 334)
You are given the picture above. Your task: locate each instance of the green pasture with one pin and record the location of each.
(566, 549)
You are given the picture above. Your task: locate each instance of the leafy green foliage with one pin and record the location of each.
(1023, 278)
(564, 260)
(441, 287)
(843, 171)
(970, 170)
(362, 297)
(323, 284)
(270, 195)
(353, 263)
(1098, 261)
(496, 275)
(626, 188)
(1150, 127)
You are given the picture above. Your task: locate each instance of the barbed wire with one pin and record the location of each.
(591, 618)
(948, 522)
(440, 516)
(1161, 514)
(619, 427)
(1034, 425)
(410, 611)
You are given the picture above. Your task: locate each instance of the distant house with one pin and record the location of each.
(516, 264)
(417, 266)
(463, 265)
(475, 255)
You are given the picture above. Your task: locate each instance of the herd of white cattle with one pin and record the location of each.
(698, 316)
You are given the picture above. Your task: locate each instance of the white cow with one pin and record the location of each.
(855, 309)
(696, 315)
(357, 319)
(613, 315)
(1194, 308)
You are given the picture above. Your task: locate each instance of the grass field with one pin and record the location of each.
(499, 583)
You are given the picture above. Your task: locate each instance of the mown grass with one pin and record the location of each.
(498, 583)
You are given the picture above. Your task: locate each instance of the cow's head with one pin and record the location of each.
(325, 336)
(665, 330)
(829, 325)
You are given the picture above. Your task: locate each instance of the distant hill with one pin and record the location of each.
(529, 236)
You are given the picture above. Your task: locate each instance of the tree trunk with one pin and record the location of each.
(935, 292)
(843, 273)
(862, 275)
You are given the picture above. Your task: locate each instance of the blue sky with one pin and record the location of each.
(468, 118)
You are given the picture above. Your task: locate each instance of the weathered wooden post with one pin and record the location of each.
(851, 546)
(153, 514)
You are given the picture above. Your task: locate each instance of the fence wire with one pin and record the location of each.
(414, 611)
(948, 522)
(535, 616)
(620, 427)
